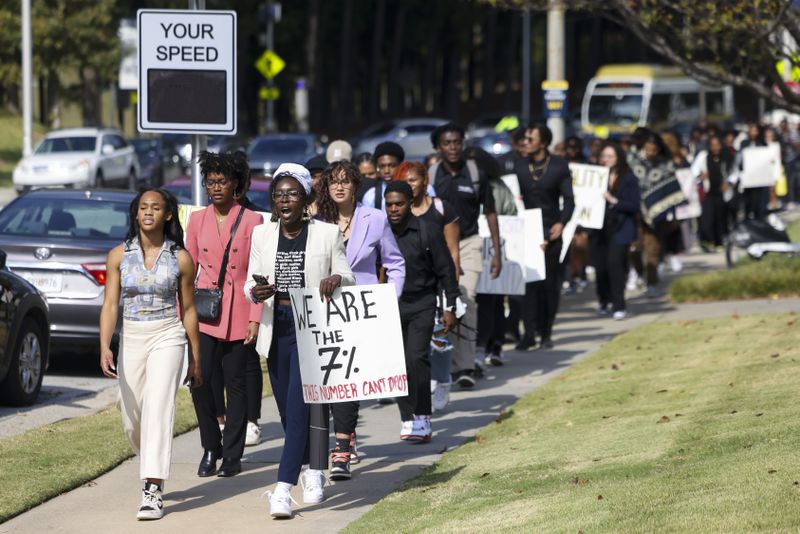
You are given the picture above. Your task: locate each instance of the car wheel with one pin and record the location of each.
(24, 380)
(99, 181)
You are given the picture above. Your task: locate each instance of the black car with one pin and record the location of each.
(24, 338)
(159, 161)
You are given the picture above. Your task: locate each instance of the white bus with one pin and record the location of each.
(621, 98)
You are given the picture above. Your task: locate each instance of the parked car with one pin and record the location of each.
(414, 135)
(260, 193)
(24, 338)
(266, 152)
(159, 161)
(227, 143)
(492, 142)
(58, 240)
(488, 123)
(79, 157)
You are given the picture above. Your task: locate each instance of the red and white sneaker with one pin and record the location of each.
(406, 429)
(421, 431)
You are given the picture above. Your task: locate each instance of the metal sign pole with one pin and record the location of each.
(199, 142)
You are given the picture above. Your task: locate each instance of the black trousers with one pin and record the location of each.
(345, 416)
(254, 381)
(713, 220)
(610, 261)
(491, 320)
(541, 298)
(417, 326)
(228, 358)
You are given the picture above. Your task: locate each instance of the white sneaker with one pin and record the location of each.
(253, 436)
(620, 315)
(421, 431)
(632, 280)
(152, 506)
(441, 396)
(405, 429)
(675, 264)
(312, 481)
(280, 504)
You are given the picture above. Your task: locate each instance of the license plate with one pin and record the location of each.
(40, 168)
(45, 282)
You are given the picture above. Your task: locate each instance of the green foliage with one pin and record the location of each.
(673, 427)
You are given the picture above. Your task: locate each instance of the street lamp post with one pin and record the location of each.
(199, 142)
(27, 76)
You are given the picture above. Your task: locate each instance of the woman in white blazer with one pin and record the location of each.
(291, 251)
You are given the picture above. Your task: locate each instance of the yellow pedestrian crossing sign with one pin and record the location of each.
(269, 93)
(270, 64)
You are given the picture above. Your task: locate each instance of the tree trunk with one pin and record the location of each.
(487, 86)
(379, 28)
(513, 61)
(397, 86)
(311, 63)
(345, 97)
(91, 97)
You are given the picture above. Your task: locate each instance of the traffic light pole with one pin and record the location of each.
(199, 142)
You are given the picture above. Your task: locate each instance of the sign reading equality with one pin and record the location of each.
(187, 71)
(350, 348)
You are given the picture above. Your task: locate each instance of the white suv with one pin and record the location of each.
(79, 157)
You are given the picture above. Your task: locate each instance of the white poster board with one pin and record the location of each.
(761, 166)
(589, 182)
(523, 258)
(350, 348)
(693, 209)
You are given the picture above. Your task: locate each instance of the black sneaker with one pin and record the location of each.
(465, 380)
(152, 506)
(525, 343)
(340, 464)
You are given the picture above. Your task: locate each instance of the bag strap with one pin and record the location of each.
(224, 266)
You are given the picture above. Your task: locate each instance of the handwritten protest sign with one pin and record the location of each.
(589, 182)
(351, 348)
(761, 166)
(523, 257)
(693, 209)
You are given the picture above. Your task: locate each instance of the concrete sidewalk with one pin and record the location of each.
(109, 503)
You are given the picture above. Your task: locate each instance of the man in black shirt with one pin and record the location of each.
(466, 187)
(519, 149)
(428, 267)
(544, 179)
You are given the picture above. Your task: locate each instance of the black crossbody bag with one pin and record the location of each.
(208, 301)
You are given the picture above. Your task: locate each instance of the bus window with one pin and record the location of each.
(615, 109)
(715, 104)
(658, 114)
(685, 107)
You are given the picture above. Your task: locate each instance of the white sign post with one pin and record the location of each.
(761, 166)
(187, 71)
(351, 348)
(589, 182)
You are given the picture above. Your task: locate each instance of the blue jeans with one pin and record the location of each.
(441, 365)
(287, 388)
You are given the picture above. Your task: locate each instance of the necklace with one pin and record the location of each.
(291, 235)
(538, 170)
(346, 228)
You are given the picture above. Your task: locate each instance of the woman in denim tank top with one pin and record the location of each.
(153, 273)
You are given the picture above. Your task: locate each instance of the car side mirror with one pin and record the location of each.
(108, 150)
(2, 259)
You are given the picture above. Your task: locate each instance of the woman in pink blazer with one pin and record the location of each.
(227, 341)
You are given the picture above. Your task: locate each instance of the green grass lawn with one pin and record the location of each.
(774, 276)
(43, 463)
(11, 144)
(673, 427)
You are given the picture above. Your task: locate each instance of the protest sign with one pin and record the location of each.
(589, 182)
(693, 209)
(350, 348)
(761, 166)
(523, 258)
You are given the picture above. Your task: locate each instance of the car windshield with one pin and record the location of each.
(624, 109)
(144, 146)
(277, 147)
(66, 144)
(36, 216)
(379, 129)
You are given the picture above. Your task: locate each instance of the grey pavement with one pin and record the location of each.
(108, 504)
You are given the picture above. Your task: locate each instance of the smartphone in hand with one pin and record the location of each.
(261, 280)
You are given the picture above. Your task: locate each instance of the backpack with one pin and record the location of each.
(472, 170)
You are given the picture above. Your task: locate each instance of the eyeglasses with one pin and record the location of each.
(212, 184)
(345, 184)
(292, 194)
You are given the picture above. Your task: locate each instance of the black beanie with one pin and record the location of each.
(389, 148)
(317, 163)
(396, 186)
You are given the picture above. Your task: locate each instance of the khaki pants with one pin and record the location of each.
(464, 340)
(150, 364)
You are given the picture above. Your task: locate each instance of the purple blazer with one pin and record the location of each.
(370, 235)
